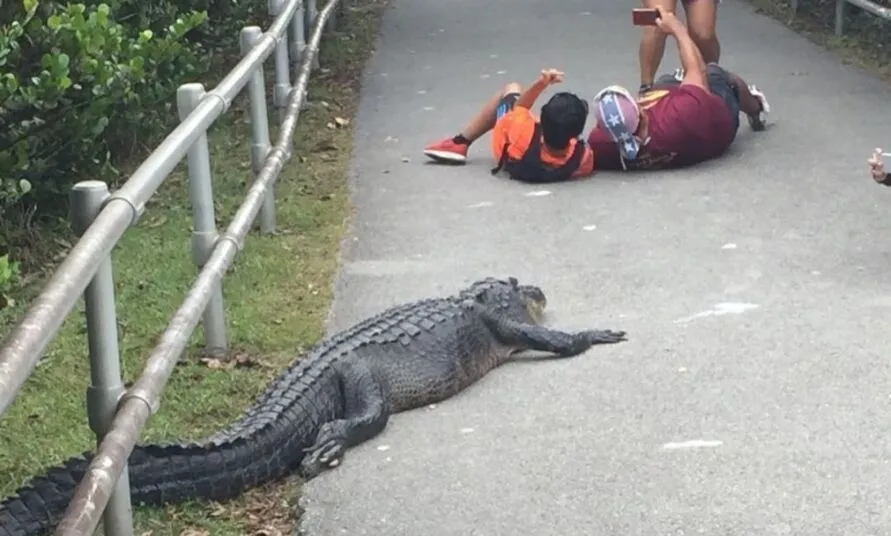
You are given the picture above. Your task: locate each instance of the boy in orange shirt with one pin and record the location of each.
(528, 148)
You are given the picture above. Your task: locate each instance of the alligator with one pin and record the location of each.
(340, 394)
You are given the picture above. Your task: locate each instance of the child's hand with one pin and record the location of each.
(551, 76)
(877, 166)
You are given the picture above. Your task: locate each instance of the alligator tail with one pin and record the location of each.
(159, 474)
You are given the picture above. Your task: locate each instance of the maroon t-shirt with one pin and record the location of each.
(688, 125)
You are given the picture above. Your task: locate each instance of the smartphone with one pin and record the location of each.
(644, 16)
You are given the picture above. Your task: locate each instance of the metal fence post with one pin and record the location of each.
(839, 17)
(282, 64)
(204, 232)
(312, 15)
(331, 23)
(106, 387)
(298, 35)
(260, 142)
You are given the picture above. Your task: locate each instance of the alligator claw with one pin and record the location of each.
(605, 336)
(326, 453)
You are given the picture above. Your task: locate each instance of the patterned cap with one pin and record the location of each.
(617, 112)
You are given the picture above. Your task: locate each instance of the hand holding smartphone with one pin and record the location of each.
(645, 16)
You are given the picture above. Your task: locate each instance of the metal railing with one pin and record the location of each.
(118, 415)
(866, 5)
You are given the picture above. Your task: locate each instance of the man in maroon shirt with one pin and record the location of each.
(677, 123)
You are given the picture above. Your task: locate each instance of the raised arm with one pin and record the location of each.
(691, 58)
(548, 77)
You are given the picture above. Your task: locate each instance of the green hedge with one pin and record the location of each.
(84, 86)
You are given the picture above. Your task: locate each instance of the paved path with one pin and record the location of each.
(796, 390)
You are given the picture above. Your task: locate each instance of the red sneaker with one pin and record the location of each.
(447, 151)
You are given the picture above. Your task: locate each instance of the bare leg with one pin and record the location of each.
(748, 103)
(484, 120)
(652, 44)
(453, 150)
(702, 21)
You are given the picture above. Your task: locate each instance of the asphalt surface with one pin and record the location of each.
(787, 389)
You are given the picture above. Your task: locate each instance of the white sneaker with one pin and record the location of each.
(757, 122)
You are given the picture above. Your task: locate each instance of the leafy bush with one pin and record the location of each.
(9, 278)
(83, 85)
(74, 84)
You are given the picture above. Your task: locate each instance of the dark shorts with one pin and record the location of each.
(719, 83)
(506, 104)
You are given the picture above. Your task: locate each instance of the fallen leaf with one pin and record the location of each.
(341, 122)
(246, 362)
(157, 222)
(195, 532)
(326, 145)
(214, 363)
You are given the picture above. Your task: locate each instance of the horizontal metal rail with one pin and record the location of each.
(100, 218)
(25, 345)
(866, 5)
(141, 401)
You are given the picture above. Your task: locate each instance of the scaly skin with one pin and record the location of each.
(339, 395)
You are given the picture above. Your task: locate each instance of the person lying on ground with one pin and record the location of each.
(877, 168)
(528, 148)
(702, 21)
(676, 123)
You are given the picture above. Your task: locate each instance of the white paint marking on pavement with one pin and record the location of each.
(382, 448)
(485, 75)
(729, 246)
(429, 108)
(481, 204)
(466, 430)
(693, 444)
(422, 91)
(537, 193)
(720, 309)
(589, 227)
(493, 56)
(501, 72)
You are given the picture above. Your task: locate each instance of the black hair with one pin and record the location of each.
(562, 119)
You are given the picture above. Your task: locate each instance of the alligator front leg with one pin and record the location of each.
(532, 337)
(366, 416)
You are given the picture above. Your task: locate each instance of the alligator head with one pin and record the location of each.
(523, 303)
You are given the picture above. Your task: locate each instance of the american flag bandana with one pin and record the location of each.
(617, 112)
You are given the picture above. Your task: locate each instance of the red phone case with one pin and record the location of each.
(644, 16)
